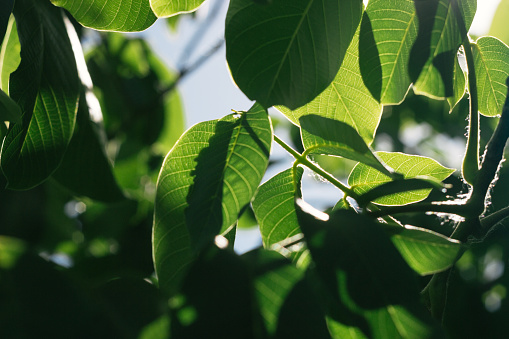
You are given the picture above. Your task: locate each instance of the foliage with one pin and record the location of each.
(102, 235)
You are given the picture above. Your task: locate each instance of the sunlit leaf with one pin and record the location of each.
(168, 8)
(110, 15)
(9, 54)
(327, 136)
(346, 99)
(491, 69)
(364, 274)
(363, 178)
(287, 52)
(388, 31)
(47, 92)
(440, 35)
(274, 206)
(424, 251)
(206, 181)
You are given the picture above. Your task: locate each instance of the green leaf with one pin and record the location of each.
(289, 51)
(47, 92)
(275, 276)
(168, 8)
(388, 32)
(110, 15)
(85, 168)
(362, 178)
(425, 251)
(346, 99)
(5, 12)
(364, 275)
(491, 70)
(9, 110)
(206, 181)
(440, 35)
(9, 54)
(459, 87)
(274, 206)
(327, 136)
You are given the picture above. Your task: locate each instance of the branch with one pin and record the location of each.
(437, 207)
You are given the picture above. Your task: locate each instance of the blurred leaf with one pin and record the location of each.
(425, 251)
(365, 275)
(247, 219)
(491, 70)
(206, 181)
(363, 178)
(47, 92)
(5, 12)
(85, 168)
(110, 15)
(440, 35)
(295, 54)
(347, 99)
(459, 87)
(340, 331)
(9, 54)
(9, 110)
(274, 206)
(327, 136)
(498, 27)
(170, 8)
(388, 31)
(11, 249)
(216, 300)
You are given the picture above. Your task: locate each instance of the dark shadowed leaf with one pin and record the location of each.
(5, 12)
(434, 52)
(47, 92)
(388, 31)
(85, 168)
(491, 70)
(287, 52)
(110, 15)
(9, 110)
(206, 181)
(364, 273)
(459, 87)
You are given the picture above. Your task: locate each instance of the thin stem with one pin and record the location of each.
(470, 167)
(458, 209)
(304, 161)
(492, 219)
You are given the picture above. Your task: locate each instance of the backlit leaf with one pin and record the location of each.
(206, 181)
(327, 136)
(347, 99)
(425, 251)
(167, 8)
(491, 69)
(288, 52)
(47, 92)
(459, 88)
(9, 54)
(110, 15)
(388, 31)
(274, 206)
(434, 52)
(363, 178)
